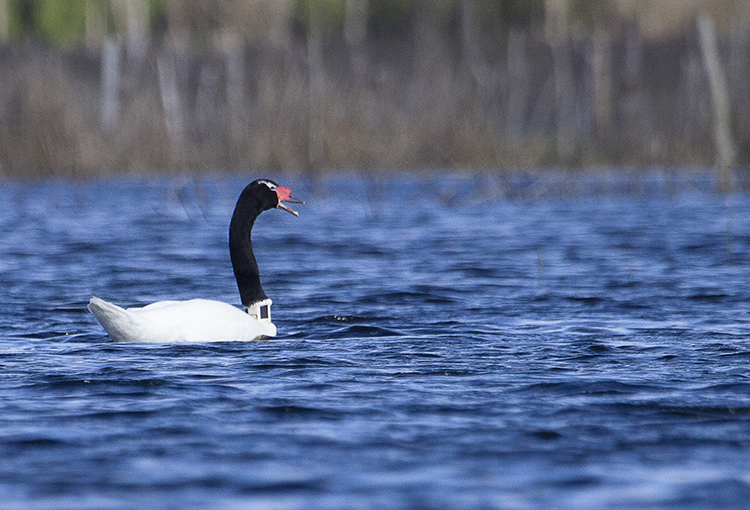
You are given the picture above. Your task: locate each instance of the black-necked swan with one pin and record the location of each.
(203, 320)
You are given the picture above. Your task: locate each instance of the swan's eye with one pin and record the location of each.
(270, 185)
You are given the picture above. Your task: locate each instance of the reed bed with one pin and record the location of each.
(317, 104)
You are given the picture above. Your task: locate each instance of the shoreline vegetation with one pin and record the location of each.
(460, 87)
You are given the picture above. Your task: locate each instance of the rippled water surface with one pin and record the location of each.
(444, 342)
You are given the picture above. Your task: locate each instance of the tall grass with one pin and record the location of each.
(317, 104)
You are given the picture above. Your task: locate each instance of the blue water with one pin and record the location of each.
(448, 342)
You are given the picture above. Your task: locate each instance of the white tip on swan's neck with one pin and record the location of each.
(260, 310)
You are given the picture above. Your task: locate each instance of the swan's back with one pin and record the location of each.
(196, 320)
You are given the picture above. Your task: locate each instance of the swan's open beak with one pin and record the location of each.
(285, 195)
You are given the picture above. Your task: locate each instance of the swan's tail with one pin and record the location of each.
(115, 320)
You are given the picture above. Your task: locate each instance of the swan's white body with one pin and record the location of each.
(193, 321)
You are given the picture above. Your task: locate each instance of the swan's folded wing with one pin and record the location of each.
(194, 321)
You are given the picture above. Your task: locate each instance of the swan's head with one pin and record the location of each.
(282, 195)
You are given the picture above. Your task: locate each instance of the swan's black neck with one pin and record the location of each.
(256, 198)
